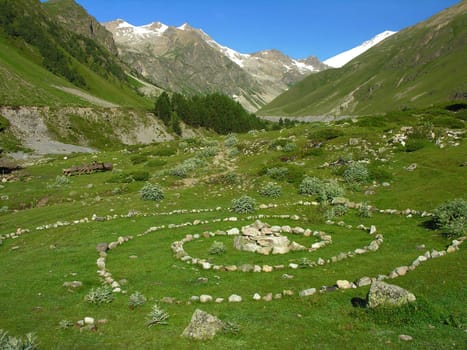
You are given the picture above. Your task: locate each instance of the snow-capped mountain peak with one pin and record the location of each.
(346, 56)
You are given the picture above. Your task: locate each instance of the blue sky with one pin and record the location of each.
(299, 28)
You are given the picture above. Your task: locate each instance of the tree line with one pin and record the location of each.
(213, 111)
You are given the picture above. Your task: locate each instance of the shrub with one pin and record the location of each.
(188, 165)
(156, 316)
(234, 152)
(136, 299)
(278, 143)
(4, 123)
(356, 173)
(65, 324)
(153, 163)
(336, 211)
(325, 134)
(100, 295)
(217, 248)
(290, 147)
(138, 159)
(277, 173)
(127, 177)
(231, 141)
(62, 180)
(29, 342)
(165, 152)
(271, 190)
(231, 328)
(379, 174)
(330, 191)
(413, 145)
(311, 186)
(365, 210)
(451, 217)
(243, 205)
(152, 192)
(208, 152)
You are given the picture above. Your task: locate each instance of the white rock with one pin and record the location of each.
(204, 298)
(343, 284)
(234, 298)
(372, 229)
(219, 300)
(307, 292)
(256, 296)
(89, 321)
(206, 265)
(233, 231)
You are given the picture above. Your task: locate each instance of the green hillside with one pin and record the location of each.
(419, 66)
(38, 55)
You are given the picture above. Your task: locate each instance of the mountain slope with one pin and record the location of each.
(184, 59)
(48, 56)
(418, 66)
(347, 56)
(75, 18)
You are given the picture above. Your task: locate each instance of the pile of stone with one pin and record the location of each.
(263, 239)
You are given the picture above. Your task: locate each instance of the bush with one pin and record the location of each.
(127, 177)
(154, 163)
(271, 190)
(356, 173)
(208, 152)
(138, 159)
(311, 186)
(364, 211)
(187, 166)
(290, 147)
(413, 145)
(231, 141)
(165, 152)
(29, 342)
(325, 134)
(243, 205)
(152, 192)
(4, 123)
(217, 248)
(330, 191)
(277, 173)
(62, 180)
(136, 299)
(450, 217)
(100, 295)
(156, 316)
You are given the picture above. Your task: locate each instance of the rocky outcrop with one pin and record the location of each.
(44, 129)
(385, 294)
(203, 326)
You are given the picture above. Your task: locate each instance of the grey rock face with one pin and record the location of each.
(203, 326)
(384, 294)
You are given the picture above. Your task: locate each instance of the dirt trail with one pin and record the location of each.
(88, 97)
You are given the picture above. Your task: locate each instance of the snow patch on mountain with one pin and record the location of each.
(347, 56)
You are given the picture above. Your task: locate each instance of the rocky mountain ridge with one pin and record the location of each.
(185, 59)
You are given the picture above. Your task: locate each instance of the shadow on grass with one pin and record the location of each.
(359, 302)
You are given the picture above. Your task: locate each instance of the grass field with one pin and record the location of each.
(36, 264)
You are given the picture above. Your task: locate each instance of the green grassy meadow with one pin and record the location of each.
(36, 264)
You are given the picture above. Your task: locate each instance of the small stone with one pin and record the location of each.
(219, 300)
(364, 281)
(278, 296)
(287, 292)
(256, 296)
(307, 292)
(102, 247)
(267, 268)
(89, 321)
(293, 266)
(204, 298)
(268, 297)
(405, 337)
(372, 229)
(234, 298)
(343, 284)
(133, 257)
(286, 276)
(206, 265)
(73, 284)
(402, 270)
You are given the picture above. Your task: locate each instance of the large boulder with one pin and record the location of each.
(385, 294)
(203, 326)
